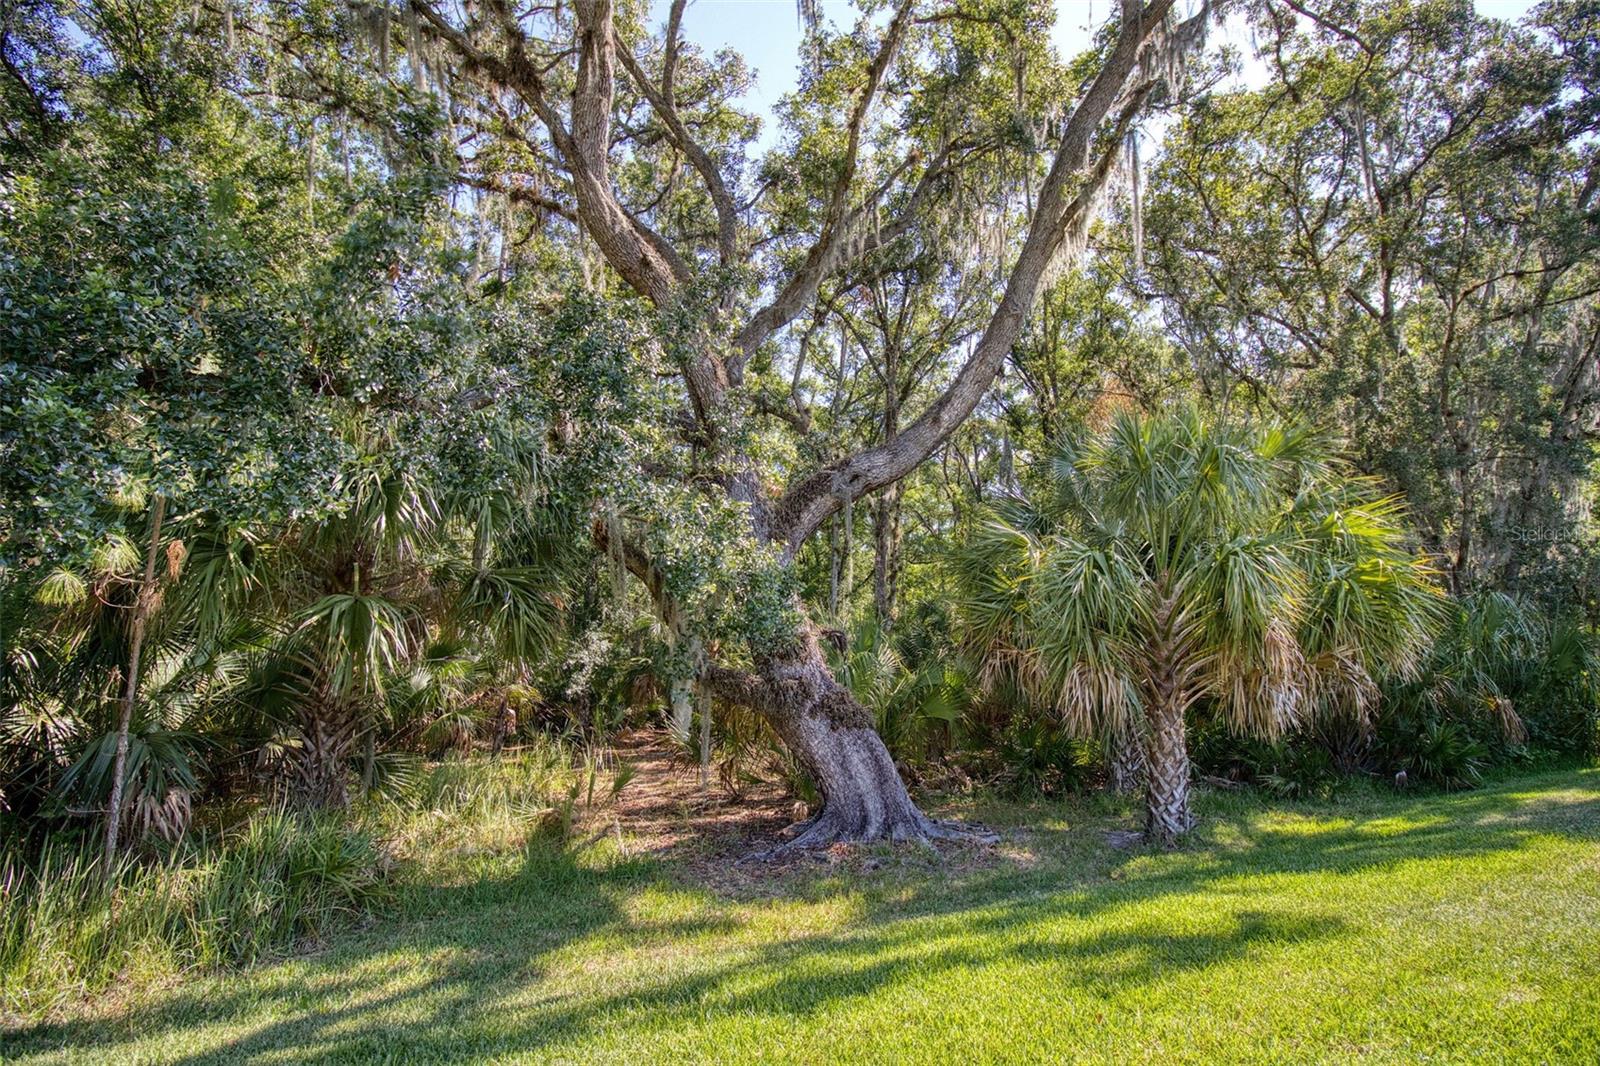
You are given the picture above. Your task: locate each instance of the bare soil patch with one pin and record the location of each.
(708, 834)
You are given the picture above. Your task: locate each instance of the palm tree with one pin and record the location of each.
(405, 581)
(1175, 558)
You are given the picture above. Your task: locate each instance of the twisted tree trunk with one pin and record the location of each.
(828, 730)
(831, 733)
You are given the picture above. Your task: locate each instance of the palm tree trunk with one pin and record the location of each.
(141, 617)
(1166, 756)
(1124, 763)
(321, 765)
(502, 724)
(1167, 815)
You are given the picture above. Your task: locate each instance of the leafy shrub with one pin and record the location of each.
(1042, 757)
(1561, 708)
(1293, 767)
(1433, 750)
(1504, 680)
(1297, 770)
(746, 751)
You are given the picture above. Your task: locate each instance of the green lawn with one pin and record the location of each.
(1441, 928)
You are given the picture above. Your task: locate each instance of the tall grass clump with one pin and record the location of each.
(471, 806)
(514, 784)
(279, 879)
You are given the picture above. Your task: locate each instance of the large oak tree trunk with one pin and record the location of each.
(830, 732)
(823, 725)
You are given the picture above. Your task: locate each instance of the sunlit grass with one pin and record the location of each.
(1447, 928)
(268, 884)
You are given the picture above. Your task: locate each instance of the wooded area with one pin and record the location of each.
(449, 410)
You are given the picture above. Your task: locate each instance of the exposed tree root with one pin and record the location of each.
(828, 828)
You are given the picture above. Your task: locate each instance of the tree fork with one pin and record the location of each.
(864, 798)
(827, 729)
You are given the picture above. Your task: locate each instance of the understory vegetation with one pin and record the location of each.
(1173, 465)
(273, 882)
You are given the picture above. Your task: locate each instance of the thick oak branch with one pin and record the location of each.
(809, 503)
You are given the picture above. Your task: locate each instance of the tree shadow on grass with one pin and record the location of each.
(490, 982)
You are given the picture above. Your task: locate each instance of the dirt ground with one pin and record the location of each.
(710, 836)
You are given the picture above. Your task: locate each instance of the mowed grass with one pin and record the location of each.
(1457, 928)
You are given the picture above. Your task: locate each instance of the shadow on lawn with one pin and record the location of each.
(500, 942)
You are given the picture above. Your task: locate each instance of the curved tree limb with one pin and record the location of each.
(644, 259)
(809, 503)
(801, 286)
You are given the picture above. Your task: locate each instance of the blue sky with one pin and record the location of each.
(767, 33)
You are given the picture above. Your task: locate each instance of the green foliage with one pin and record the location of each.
(1293, 767)
(1505, 679)
(1243, 558)
(1432, 750)
(912, 681)
(1345, 241)
(521, 787)
(1040, 756)
(329, 288)
(271, 884)
(279, 879)
(1503, 682)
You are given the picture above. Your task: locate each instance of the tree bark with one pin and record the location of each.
(830, 732)
(705, 741)
(1124, 764)
(502, 725)
(1167, 815)
(320, 767)
(682, 699)
(833, 568)
(141, 618)
(682, 693)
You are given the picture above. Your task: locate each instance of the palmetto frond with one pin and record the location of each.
(518, 605)
(997, 569)
(361, 638)
(1213, 560)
